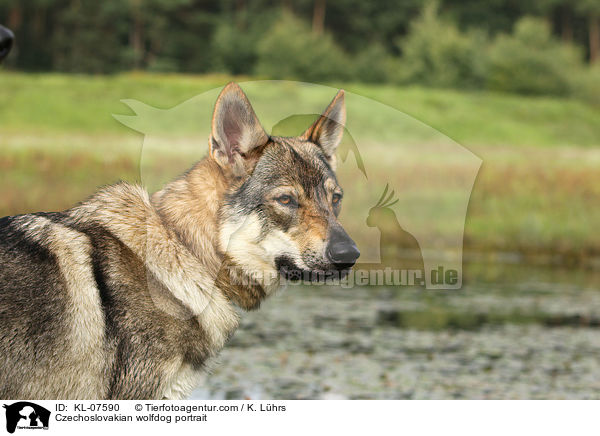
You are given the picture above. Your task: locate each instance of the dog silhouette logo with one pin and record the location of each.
(26, 415)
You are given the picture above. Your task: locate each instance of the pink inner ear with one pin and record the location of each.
(232, 132)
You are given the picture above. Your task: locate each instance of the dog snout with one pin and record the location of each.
(342, 250)
(6, 41)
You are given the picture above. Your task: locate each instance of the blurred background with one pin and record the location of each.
(515, 82)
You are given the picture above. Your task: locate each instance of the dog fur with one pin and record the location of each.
(128, 296)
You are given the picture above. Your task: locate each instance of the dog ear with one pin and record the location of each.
(236, 131)
(328, 130)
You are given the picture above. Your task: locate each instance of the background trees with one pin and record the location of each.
(530, 46)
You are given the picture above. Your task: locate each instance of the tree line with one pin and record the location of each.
(463, 43)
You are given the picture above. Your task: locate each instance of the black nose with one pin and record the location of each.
(342, 251)
(6, 40)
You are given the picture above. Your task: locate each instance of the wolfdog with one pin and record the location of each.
(127, 295)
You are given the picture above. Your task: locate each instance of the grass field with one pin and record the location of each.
(57, 103)
(536, 194)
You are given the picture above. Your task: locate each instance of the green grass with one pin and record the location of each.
(485, 118)
(537, 191)
(54, 102)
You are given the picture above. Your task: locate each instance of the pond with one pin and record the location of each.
(512, 331)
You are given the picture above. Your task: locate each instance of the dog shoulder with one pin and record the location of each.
(127, 212)
(47, 279)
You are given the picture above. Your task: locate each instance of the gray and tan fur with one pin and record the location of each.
(127, 296)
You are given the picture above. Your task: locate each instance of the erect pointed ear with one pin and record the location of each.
(236, 131)
(328, 130)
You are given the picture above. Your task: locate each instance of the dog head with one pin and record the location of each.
(280, 214)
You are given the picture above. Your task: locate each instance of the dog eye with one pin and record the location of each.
(336, 198)
(286, 200)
